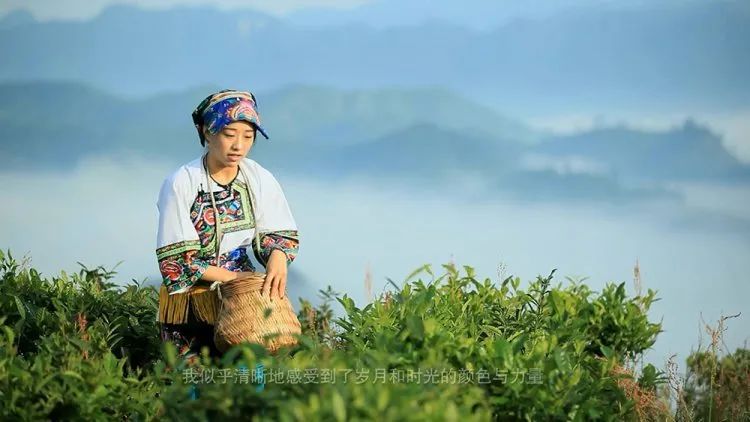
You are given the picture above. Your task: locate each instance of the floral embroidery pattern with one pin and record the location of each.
(285, 240)
(180, 265)
(232, 206)
(236, 260)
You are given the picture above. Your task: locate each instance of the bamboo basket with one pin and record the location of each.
(246, 316)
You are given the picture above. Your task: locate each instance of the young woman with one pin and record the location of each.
(211, 210)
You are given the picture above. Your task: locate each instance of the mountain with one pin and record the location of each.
(687, 153)
(302, 121)
(428, 150)
(683, 54)
(429, 157)
(60, 122)
(16, 18)
(430, 138)
(331, 116)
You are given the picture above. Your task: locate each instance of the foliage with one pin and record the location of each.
(79, 347)
(718, 387)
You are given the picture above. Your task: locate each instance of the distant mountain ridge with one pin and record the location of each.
(689, 52)
(303, 116)
(689, 152)
(423, 136)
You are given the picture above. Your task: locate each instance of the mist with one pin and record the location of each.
(104, 212)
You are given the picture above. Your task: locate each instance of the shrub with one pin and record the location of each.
(452, 347)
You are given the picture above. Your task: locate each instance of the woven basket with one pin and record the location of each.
(242, 317)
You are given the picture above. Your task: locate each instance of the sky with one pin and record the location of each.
(44, 10)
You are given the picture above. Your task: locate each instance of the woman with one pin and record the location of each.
(195, 248)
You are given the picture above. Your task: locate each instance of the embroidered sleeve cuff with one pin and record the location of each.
(179, 265)
(286, 241)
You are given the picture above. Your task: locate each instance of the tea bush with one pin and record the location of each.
(450, 347)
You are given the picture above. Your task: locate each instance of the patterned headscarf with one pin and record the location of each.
(224, 107)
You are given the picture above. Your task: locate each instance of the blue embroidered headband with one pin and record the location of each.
(224, 107)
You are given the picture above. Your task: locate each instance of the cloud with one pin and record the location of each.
(729, 201)
(44, 10)
(563, 165)
(104, 211)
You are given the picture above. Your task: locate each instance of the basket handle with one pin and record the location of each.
(239, 285)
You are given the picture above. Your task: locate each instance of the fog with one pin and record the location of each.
(104, 212)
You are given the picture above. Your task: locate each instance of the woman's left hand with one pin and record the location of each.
(275, 283)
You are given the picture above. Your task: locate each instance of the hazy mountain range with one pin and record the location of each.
(682, 53)
(416, 135)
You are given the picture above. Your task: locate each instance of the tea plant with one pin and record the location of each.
(77, 346)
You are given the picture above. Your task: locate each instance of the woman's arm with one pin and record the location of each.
(214, 273)
(277, 242)
(277, 251)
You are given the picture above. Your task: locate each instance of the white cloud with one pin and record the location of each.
(571, 164)
(104, 211)
(44, 10)
(731, 201)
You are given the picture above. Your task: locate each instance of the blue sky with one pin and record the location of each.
(86, 9)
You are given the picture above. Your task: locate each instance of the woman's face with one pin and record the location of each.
(230, 145)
